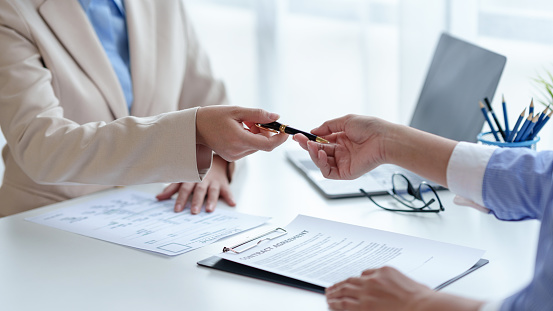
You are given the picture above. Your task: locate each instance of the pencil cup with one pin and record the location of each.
(487, 138)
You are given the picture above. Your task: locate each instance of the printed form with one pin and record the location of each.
(324, 252)
(137, 219)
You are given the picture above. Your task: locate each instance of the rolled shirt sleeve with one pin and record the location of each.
(465, 173)
(514, 184)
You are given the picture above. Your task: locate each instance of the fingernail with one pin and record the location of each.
(178, 208)
(209, 208)
(195, 210)
(273, 116)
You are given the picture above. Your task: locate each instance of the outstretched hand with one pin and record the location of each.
(354, 147)
(230, 131)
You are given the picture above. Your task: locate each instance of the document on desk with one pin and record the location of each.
(138, 220)
(324, 252)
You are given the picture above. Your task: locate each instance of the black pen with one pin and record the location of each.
(283, 128)
(495, 119)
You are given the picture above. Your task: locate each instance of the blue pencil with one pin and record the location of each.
(529, 128)
(540, 120)
(523, 129)
(542, 115)
(505, 117)
(540, 126)
(515, 128)
(488, 120)
(531, 110)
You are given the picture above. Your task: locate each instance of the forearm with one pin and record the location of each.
(420, 152)
(52, 150)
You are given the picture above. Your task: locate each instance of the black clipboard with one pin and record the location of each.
(219, 263)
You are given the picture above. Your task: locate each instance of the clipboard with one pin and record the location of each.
(222, 264)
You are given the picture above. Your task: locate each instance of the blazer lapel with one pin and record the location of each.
(70, 24)
(141, 28)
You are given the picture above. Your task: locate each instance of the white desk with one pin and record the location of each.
(42, 268)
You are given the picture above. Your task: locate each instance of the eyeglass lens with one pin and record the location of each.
(403, 188)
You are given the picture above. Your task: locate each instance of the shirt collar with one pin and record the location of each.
(121, 6)
(85, 4)
(119, 3)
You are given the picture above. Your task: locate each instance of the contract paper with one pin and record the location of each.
(324, 252)
(137, 219)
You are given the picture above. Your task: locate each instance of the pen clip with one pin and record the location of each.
(233, 249)
(266, 128)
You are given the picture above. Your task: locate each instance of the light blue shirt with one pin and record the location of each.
(108, 17)
(518, 185)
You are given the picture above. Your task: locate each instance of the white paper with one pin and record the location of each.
(324, 252)
(138, 220)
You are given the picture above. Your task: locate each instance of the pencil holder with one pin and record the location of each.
(487, 138)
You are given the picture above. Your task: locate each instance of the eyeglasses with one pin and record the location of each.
(415, 200)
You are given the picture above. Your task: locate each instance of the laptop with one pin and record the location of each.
(460, 75)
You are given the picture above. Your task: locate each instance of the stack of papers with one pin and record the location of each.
(323, 252)
(139, 220)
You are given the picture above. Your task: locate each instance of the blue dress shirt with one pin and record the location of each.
(108, 17)
(518, 184)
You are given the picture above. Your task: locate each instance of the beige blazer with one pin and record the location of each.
(63, 112)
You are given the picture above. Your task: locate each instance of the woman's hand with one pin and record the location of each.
(215, 185)
(230, 131)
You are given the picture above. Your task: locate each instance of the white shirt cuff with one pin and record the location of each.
(465, 172)
(491, 306)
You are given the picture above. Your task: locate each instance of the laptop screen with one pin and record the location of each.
(460, 75)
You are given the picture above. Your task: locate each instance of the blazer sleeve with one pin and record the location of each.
(54, 149)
